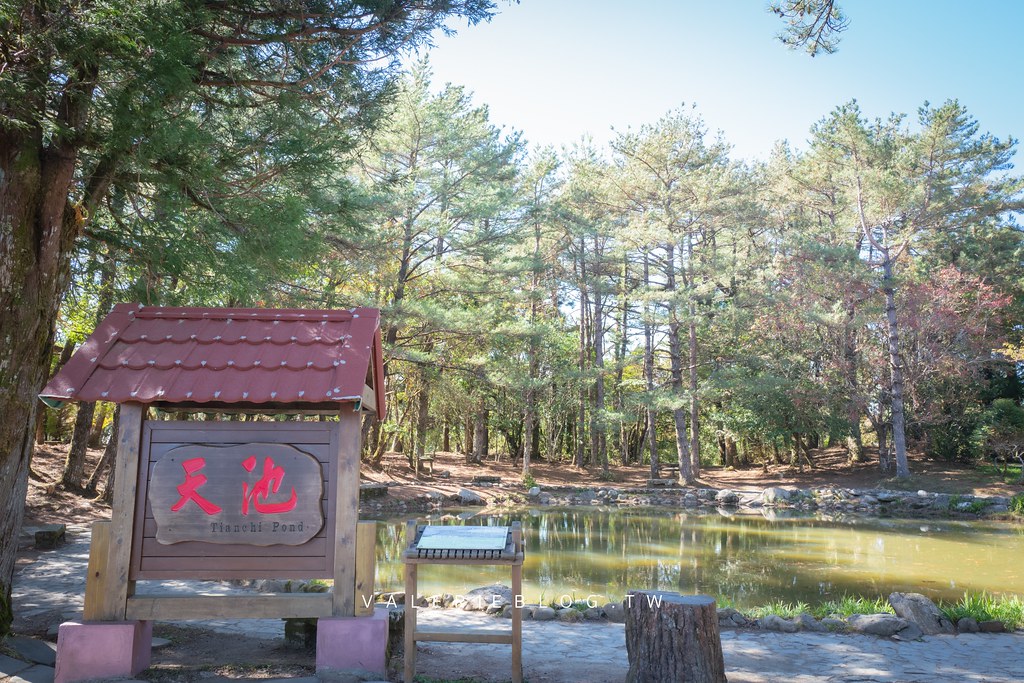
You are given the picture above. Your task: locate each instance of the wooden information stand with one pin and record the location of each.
(464, 546)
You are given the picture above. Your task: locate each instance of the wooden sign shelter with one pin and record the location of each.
(466, 545)
(227, 500)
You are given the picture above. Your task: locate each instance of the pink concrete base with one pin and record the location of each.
(96, 650)
(353, 643)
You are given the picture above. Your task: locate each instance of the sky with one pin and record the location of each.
(557, 70)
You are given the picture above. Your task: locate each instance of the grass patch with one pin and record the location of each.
(841, 608)
(974, 506)
(786, 610)
(1008, 609)
(1011, 476)
(1017, 504)
(849, 605)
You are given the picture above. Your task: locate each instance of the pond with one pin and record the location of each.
(748, 559)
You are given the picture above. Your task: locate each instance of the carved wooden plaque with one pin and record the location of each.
(251, 494)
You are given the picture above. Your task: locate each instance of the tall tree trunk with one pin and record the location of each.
(74, 464)
(854, 439)
(98, 420)
(884, 455)
(896, 369)
(38, 226)
(422, 421)
(675, 349)
(530, 414)
(584, 307)
(446, 437)
(480, 434)
(110, 455)
(691, 310)
(467, 446)
(41, 425)
(486, 416)
(694, 401)
(652, 438)
(107, 461)
(598, 417)
(620, 361)
(731, 451)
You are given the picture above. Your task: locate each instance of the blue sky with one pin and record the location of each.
(559, 69)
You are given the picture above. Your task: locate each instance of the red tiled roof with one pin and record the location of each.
(282, 357)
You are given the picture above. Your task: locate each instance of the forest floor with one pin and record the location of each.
(49, 503)
(832, 468)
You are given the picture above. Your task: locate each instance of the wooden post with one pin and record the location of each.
(410, 606)
(117, 588)
(366, 545)
(96, 576)
(672, 637)
(346, 491)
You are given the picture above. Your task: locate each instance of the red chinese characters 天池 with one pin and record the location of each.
(251, 494)
(257, 496)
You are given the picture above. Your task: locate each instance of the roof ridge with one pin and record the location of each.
(199, 313)
(220, 341)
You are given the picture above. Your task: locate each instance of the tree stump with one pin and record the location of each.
(672, 637)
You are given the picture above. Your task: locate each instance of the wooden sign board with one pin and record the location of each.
(189, 543)
(252, 494)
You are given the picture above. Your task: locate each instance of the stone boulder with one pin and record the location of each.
(967, 625)
(911, 632)
(615, 612)
(727, 497)
(485, 598)
(773, 622)
(570, 616)
(729, 617)
(774, 495)
(919, 610)
(467, 497)
(808, 623)
(835, 625)
(992, 626)
(877, 624)
(544, 614)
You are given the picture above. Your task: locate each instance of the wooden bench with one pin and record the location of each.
(428, 460)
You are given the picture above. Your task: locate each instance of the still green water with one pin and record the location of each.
(751, 560)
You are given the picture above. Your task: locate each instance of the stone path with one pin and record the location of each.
(52, 587)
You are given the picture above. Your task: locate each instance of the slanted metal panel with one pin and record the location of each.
(463, 538)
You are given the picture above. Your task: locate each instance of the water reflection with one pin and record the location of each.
(748, 559)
